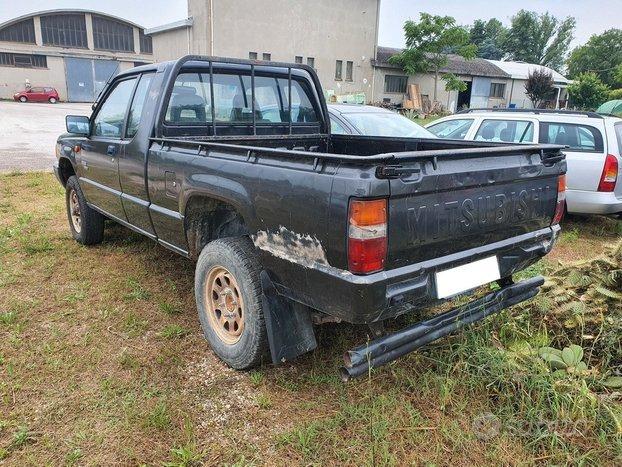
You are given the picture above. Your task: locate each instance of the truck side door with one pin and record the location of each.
(98, 160)
(132, 162)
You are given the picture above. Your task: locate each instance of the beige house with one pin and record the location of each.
(486, 83)
(74, 51)
(336, 37)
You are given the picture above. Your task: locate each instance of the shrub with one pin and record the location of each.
(587, 92)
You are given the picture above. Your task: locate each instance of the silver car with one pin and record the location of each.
(594, 152)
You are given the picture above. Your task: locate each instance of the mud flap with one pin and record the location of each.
(289, 326)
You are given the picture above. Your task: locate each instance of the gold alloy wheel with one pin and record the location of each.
(74, 211)
(225, 307)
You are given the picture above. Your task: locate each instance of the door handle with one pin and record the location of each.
(111, 150)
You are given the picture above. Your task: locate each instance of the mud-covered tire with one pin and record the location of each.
(89, 230)
(233, 260)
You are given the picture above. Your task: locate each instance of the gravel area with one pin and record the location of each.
(28, 133)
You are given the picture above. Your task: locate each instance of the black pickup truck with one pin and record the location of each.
(231, 163)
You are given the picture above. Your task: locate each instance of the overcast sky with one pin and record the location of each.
(593, 16)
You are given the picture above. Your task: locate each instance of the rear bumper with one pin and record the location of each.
(387, 294)
(385, 349)
(592, 202)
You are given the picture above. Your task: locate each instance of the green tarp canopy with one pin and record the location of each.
(611, 107)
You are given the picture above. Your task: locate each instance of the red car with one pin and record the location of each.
(42, 94)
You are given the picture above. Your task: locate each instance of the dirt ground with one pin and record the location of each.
(102, 362)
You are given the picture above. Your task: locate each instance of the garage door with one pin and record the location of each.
(86, 78)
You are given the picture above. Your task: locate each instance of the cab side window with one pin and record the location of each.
(110, 118)
(136, 109)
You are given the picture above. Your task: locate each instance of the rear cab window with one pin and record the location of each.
(452, 129)
(581, 138)
(507, 131)
(233, 109)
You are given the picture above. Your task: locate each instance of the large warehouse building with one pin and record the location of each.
(75, 51)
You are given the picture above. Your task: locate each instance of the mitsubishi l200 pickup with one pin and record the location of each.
(231, 163)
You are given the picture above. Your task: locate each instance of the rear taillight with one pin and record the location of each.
(367, 236)
(610, 174)
(561, 200)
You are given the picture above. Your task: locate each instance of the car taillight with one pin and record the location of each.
(610, 174)
(367, 236)
(561, 200)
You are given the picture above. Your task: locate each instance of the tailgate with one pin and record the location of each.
(454, 203)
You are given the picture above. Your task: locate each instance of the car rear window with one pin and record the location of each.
(452, 129)
(582, 138)
(618, 128)
(508, 131)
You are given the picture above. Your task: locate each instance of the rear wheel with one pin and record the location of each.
(86, 224)
(228, 295)
(52, 100)
(23, 99)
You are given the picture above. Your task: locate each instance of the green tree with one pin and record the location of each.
(541, 39)
(587, 91)
(427, 44)
(539, 86)
(489, 37)
(602, 54)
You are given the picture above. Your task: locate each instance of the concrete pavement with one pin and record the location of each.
(28, 133)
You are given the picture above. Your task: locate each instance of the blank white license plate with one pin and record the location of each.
(467, 277)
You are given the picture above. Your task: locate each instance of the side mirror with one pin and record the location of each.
(78, 124)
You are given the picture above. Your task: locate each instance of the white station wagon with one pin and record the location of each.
(594, 153)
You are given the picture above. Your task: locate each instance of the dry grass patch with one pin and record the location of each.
(102, 361)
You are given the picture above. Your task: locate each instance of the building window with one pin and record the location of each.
(146, 44)
(252, 55)
(266, 57)
(497, 90)
(311, 62)
(64, 31)
(24, 31)
(338, 69)
(349, 66)
(109, 34)
(298, 59)
(23, 60)
(395, 83)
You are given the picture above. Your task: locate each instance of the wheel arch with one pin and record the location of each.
(207, 218)
(65, 170)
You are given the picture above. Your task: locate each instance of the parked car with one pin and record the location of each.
(593, 153)
(37, 94)
(355, 119)
(290, 224)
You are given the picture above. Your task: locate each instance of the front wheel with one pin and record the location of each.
(23, 99)
(52, 100)
(86, 224)
(228, 295)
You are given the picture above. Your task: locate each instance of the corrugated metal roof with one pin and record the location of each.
(521, 70)
(456, 64)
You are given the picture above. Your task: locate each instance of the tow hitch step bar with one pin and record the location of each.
(385, 349)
